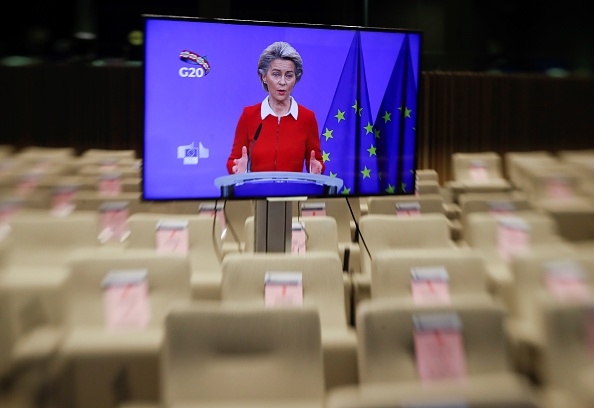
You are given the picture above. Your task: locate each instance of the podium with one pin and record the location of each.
(273, 192)
(277, 184)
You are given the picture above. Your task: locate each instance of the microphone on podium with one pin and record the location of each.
(256, 135)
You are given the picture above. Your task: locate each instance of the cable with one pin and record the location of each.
(357, 230)
(230, 227)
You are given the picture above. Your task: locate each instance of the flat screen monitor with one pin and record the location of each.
(358, 95)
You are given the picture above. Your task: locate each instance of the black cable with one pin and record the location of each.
(215, 242)
(357, 230)
(230, 227)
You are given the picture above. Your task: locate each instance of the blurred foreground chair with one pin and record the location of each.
(195, 237)
(411, 353)
(244, 280)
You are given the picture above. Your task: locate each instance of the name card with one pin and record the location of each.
(172, 237)
(218, 212)
(125, 298)
(407, 209)
(559, 188)
(430, 285)
(501, 207)
(27, 184)
(567, 281)
(439, 349)
(513, 237)
(108, 165)
(313, 209)
(63, 200)
(110, 184)
(478, 170)
(298, 238)
(283, 289)
(113, 220)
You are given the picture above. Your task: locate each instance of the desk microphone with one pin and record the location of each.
(249, 162)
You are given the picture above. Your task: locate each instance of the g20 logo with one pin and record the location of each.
(192, 58)
(191, 72)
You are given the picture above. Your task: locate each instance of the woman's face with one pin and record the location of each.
(280, 79)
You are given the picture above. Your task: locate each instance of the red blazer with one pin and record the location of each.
(283, 145)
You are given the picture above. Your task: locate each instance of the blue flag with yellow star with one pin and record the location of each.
(395, 126)
(348, 136)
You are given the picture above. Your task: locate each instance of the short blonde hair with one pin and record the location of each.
(279, 50)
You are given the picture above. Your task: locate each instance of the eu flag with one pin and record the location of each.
(395, 126)
(348, 139)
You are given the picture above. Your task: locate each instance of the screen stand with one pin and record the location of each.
(272, 224)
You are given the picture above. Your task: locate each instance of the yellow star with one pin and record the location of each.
(328, 134)
(368, 128)
(390, 189)
(376, 132)
(366, 172)
(403, 187)
(357, 108)
(333, 174)
(406, 111)
(372, 150)
(387, 117)
(345, 191)
(339, 116)
(325, 157)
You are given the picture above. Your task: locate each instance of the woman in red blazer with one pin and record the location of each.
(286, 133)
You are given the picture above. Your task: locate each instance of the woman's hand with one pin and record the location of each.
(315, 167)
(240, 165)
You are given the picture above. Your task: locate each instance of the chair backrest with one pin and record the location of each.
(567, 350)
(321, 233)
(462, 164)
(492, 202)
(109, 153)
(42, 238)
(516, 164)
(167, 277)
(391, 272)
(322, 281)
(338, 208)
(385, 332)
(241, 354)
(482, 229)
(530, 278)
(382, 232)
(204, 236)
(428, 203)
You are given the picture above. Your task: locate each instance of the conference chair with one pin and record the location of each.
(407, 205)
(109, 153)
(500, 238)
(477, 172)
(517, 162)
(567, 364)
(562, 277)
(446, 353)
(198, 240)
(432, 277)
(115, 304)
(242, 356)
(321, 286)
(421, 234)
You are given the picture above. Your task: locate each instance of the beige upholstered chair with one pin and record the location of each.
(388, 361)
(516, 164)
(567, 366)
(477, 172)
(424, 203)
(500, 202)
(104, 363)
(465, 271)
(242, 356)
(321, 236)
(531, 273)
(204, 251)
(424, 233)
(322, 281)
(486, 233)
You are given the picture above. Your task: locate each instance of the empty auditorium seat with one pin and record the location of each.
(322, 288)
(203, 247)
(477, 172)
(242, 357)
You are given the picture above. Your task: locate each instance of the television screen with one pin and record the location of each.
(345, 127)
